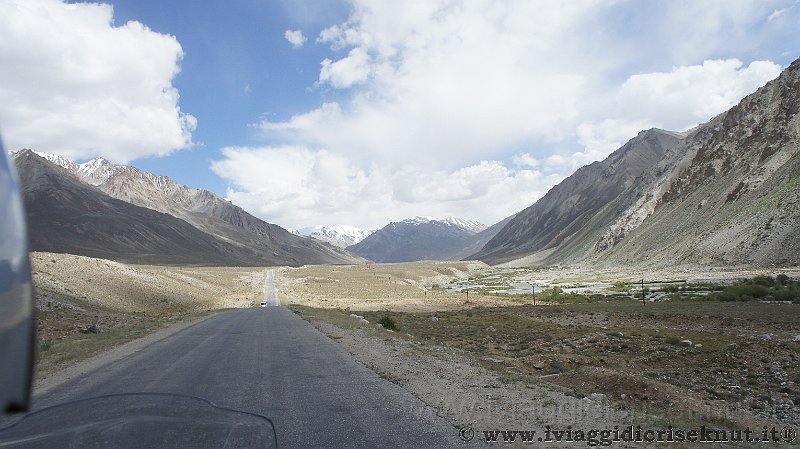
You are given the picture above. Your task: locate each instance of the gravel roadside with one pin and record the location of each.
(470, 395)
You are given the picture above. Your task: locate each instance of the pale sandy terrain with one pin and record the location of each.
(690, 273)
(414, 286)
(420, 286)
(142, 288)
(85, 306)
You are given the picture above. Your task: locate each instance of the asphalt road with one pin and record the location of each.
(270, 293)
(270, 362)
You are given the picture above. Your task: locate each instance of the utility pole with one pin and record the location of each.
(533, 292)
(643, 301)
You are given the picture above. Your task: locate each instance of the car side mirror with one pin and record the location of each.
(17, 329)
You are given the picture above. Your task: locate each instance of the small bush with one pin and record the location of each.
(742, 292)
(766, 281)
(620, 286)
(685, 297)
(779, 288)
(787, 294)
(387, 322)
(725, 296)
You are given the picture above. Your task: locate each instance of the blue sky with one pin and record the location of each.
(237, 67)
(361, 112)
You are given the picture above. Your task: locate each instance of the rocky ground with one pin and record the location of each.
(491, 363)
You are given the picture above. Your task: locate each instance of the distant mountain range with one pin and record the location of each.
(119, 212)
(420, 238)
(341, 236)
(725, 193)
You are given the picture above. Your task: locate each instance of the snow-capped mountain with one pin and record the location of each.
(418, 238)
(59, 160)
(469, 225)
(98, 171)
(337, 235)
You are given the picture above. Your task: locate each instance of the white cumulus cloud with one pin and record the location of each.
(446, 107)
(448, 82)
(353, 69)
(676, 100)
(688, 95)
(74, 84)
(295, 37)
(296, 186)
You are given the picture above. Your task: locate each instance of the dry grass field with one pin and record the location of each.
(413, 286)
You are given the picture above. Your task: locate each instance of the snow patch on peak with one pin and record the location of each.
(469, 225)
(422, 219)
(338, 235)
(96, 171)
(61, 161)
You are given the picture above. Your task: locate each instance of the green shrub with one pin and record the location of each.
(787, 294)
(620, 286)
(387, 322)
(746, 292)
(725, 296)
(779, 288)
(741, 292)
(766, 281)
(673, 341)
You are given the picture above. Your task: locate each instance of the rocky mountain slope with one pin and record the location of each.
(68, 216)
(249, 240)
(420, 238)
(567, 207)
(726, 193)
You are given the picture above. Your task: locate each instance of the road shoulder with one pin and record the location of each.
(42, 386)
